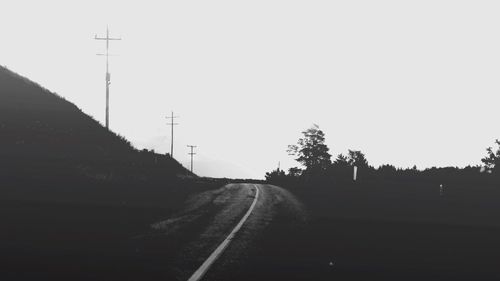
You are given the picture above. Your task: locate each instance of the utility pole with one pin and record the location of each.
(192, 153)
(108, 76)
(172, 124)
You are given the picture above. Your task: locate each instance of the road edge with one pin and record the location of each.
(200, 272)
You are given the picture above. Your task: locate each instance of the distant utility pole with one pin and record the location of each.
(108, 76)
(172, 124)
(192, 153)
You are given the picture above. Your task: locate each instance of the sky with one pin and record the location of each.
(406, 82)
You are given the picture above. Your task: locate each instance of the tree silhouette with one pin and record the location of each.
(311, 150)
(492, 160)
(294, 172)
(340, 168)
(357, 158)
(341, 161)
(387, 171)
(275, 176)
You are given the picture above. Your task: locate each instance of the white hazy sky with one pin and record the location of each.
(407, 82)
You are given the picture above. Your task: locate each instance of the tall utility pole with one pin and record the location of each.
(108, 76)
(172, 124)
(192, 153)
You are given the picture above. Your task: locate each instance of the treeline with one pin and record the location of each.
(318, 168)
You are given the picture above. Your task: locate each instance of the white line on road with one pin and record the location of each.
(198, 274)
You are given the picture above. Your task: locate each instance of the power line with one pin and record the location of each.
(108, 75)
(191, 153)
(172, 124)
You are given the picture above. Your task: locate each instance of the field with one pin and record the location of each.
(363, 231)
(89, 234)
(382, 231)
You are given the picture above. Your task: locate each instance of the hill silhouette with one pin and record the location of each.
(47, 141)
(69, 185)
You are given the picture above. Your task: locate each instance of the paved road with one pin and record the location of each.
(210, 217)
(202, 270)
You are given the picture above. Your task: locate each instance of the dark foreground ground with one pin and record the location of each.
(371, 231)
(51, 241)
(368, 231)
(74, 233)
(373, 250)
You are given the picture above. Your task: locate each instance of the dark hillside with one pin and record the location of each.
(44, 137)
(73, 195)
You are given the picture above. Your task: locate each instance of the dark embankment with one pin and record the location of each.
(388, 230)
(73, 195)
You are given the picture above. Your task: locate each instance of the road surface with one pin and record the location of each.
(202, 270)
(217, 228)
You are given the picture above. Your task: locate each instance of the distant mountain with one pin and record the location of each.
(44, 138)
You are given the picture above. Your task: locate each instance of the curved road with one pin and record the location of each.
(217, 227)
(200, 272)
